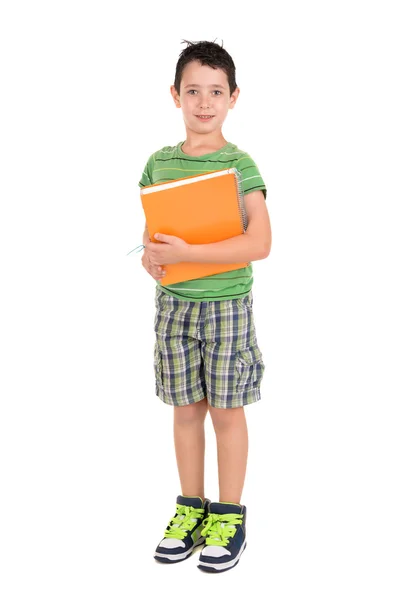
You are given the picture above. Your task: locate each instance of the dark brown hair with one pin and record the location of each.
(207, 53)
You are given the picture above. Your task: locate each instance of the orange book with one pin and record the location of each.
(200, 209)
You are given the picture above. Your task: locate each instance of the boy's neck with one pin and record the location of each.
(196, 145)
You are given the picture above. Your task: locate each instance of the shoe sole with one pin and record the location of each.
(174, 558)
(220, 568)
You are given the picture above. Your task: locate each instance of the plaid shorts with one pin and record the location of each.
(206, 350)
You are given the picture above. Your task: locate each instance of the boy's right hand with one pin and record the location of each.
(156, 271)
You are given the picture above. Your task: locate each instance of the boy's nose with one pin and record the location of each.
(204, 104)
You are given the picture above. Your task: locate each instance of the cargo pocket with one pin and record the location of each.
(158, 370)
(249, 367)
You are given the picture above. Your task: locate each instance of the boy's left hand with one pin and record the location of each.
(172, 250)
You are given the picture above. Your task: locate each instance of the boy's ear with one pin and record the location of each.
(234, 97)
(175, 96)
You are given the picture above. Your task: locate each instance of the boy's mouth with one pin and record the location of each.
(204, 117)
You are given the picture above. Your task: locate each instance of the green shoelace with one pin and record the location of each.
(219, 528)
(184, 521)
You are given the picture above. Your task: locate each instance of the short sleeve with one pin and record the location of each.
(251, 176)
(146, 177)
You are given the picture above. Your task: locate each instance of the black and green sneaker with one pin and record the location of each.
(225, 533)
(183, 533)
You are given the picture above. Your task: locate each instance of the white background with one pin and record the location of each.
(88, 471)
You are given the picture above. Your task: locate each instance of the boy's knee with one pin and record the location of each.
(191, 413)
(225, 418)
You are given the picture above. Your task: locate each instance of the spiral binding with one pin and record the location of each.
(239, 187)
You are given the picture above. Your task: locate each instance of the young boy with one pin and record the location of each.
(206, 356)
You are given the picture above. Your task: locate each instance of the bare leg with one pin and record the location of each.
(232, 447)
(190, 445)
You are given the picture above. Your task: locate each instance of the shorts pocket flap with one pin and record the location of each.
(249, 356)
(249, 368)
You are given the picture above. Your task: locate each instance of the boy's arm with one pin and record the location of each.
(254, 244)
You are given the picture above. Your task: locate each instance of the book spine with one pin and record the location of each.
(240, 196)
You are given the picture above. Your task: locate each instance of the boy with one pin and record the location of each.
(206, 356)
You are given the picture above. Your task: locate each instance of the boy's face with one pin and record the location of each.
(204, 91)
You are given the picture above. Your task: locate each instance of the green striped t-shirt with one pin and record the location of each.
(171, 163)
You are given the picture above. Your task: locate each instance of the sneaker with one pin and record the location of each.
(225, 533)
(183, 533)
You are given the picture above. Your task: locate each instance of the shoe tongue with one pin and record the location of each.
(194, 501)
(222, 508)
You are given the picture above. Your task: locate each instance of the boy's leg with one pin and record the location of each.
(225, 526)
(180, 382)
(189, 446)
(232, 448)
(233, 370)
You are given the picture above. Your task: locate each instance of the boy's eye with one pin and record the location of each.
(217, 91)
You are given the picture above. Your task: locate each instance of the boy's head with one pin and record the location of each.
(205, 84)
(210, 54)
